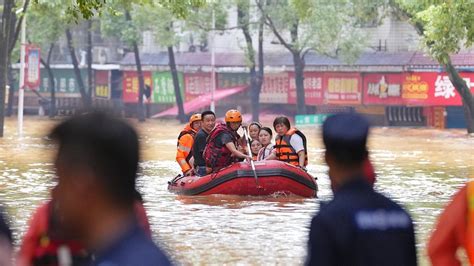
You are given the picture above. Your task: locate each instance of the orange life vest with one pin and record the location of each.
(285, 152)
(470, 221)
(184, 148)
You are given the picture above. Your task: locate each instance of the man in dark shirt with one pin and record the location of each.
(6, 240)
(208, 123)
(359, 226)
(96, 165)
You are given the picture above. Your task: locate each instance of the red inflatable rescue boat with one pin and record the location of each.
(273, 177)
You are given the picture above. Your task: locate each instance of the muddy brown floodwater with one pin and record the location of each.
(420, 168)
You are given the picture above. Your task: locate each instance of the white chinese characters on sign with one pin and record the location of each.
(444, 87)
(384, 90)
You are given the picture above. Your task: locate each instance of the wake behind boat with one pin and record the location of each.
(273, 177)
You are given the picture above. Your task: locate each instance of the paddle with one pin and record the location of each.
(251, 161)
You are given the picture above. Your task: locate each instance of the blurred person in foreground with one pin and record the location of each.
(455, 230)
(96, 165)
(6, 241)
(46, 241)
(359, 226)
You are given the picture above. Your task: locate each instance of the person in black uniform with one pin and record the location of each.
(200, 141)
(359, 226)
(6, 240)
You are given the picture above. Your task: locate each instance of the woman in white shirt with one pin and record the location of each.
(266, 152)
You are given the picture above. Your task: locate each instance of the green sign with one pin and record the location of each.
(163, 88)
(65, 81)
(305, 120)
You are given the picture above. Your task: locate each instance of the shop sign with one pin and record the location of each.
(102, 87)
(305, 120)
(163, 87)
(229, 80)
(275, 88)
(131, 85)
(383, 89)
(197, 84)
(313, 88)
(64, 81)
(342, 88)
(433, 89)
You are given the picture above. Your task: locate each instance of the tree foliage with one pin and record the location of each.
(86, 9)
(326, 27)
(46, 23)
(447, 25)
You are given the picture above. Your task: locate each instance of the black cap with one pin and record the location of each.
(345, 137)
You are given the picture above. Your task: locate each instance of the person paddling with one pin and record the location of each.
(222, 143)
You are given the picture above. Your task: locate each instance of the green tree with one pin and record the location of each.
(60, 9)
(45, 28)
(445, 28)
(325, 27)
(118, 22)
(164, 31)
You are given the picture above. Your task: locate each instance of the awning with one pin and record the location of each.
(201, 101)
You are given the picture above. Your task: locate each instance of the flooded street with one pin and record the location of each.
(420, 168)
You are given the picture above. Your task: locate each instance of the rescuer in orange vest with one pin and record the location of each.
(290, 144)
(455, 229)
(184, 154)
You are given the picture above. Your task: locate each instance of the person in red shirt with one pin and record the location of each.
(454, 231)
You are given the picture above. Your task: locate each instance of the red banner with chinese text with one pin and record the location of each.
(383, 89)
(313, 88)
(102, 86)
(196, 84)
(275, 88)
(32, 71)
(130, 85)
(432, 89)
(342, 88)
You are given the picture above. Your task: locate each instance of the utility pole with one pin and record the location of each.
(21, 89)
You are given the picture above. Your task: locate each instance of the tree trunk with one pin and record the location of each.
(463, 89)
(256, 110)
(11, 90)
(80, 81)
(141, 80)
(141, 83)
(243, 13)
(177, 89)
(52, 83)
(11, 81)
(4, 51)
(299, 80)
(89, 61)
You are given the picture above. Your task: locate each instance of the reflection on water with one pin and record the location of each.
(421, 168)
